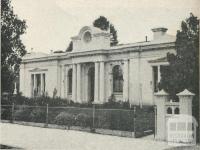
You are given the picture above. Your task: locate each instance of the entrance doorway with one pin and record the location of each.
(91, 84)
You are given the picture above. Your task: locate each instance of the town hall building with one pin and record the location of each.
(93, 70)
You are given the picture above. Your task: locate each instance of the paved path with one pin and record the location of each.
(28, 137)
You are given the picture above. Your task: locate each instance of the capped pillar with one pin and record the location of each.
(185, 100)
(160, 98)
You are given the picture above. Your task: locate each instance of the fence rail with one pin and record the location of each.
(137, 120)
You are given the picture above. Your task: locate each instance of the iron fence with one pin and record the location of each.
(137, 120)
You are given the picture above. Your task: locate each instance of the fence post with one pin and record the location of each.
(12, 113)
(155, 123)
(47, 115)
(93, 118)
(134, 120)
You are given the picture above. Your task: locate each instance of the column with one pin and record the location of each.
(74, 83)
(159, 73)
(62, 84)
(22, 80)
(126, 80)
(42, 84)
(102, 80)
(110, 83)
(96, 84)
(59, 79)
(78, 83)
(66, 83)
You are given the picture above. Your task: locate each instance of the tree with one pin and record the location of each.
(12, 48)
(103, 23)
(70, 47)
(183, 70)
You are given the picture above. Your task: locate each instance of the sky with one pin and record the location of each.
(51, 23)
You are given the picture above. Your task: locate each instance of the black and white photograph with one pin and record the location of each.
(100, 75)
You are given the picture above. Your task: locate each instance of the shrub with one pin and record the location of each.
(6, 113)
(38, 115)
(22, 113)
(102, 121)
(83, 120)
(65, 119)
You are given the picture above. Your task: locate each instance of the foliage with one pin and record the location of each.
(58, 51)
(22, 113)
(70, 47)
(12, 48)
(103, 23)
(6, 113)
(112, 103)
(183, 71)
(38, 115)
(54, 92)
(65, 119)
(83, 120)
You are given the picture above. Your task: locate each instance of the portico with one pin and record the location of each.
(86, 82)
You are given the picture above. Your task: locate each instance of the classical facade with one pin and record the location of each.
(94, 70)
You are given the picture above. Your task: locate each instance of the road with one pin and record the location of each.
(28, 137)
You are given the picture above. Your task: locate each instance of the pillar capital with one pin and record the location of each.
(185, 93)
(161, 93)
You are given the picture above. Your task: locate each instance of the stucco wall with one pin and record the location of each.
(50, 75)
(139, 74)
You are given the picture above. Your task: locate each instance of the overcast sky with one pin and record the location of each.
(51, 23)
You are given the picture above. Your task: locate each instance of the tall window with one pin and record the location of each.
(44, 83)
(117, 79)
(70, 81)
(155, 78)
(32, 85)
(38, 84)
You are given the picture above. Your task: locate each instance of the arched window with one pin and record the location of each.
(117, 79)
(176, 111)
(169, 110)
(70, 81)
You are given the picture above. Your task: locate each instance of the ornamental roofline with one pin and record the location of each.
(112, 50)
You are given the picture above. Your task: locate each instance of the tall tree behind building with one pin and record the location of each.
(103, 23)
(183, 70)
(12, 48)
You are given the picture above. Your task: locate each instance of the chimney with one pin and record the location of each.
(158, 32)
